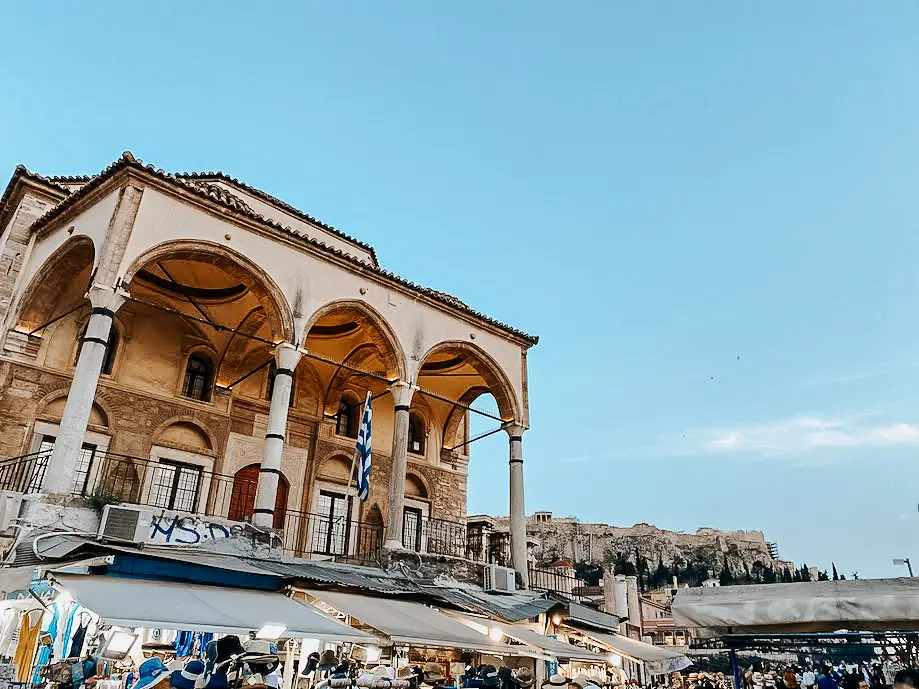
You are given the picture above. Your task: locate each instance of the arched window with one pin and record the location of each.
(346, 420)
(416, 433)
(272, 373)
(108, 363)
(198, 378)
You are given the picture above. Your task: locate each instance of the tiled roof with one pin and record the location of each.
(20, 173)
(264, 196)
(216, 194)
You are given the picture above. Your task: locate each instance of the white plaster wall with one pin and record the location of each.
(285, 218)
(418, 326)
(93, 223)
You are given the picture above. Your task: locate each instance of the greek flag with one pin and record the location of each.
(363, 453)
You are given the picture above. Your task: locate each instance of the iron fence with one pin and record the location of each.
(338, 538)
(558, 582)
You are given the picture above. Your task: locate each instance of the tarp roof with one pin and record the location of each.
(657, 660)
(407, 622)
(170, 605)
(550, 646)
(819, 606)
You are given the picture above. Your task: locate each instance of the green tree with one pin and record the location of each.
(835, 573)
(786, 576)
(726, 578)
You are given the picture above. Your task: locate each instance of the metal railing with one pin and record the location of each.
(561, 583)
(337, 538)
(106, 477)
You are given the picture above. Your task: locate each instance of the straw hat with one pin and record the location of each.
(433, 672)
(525, 677)
(555, 680)
(693, 676)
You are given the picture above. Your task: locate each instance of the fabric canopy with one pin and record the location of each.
(548, 645)
(168, 605)
(816, 606)
(407, 622)
(657, 660)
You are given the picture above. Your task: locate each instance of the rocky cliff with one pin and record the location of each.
(646, 547)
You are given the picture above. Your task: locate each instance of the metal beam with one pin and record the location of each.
(250, 373)
(478, 437)
(460, 405)
(216, 326)
(79, 306)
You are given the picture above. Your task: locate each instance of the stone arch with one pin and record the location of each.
(457, 415)
(335, 468)
(42, 295)
(380, 332)
(197, 249)
(185, 432)
(52, 406)
(496, 381)
(416, 487)
(338, 383)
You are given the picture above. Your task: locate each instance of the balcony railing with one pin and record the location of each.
(108, 477)
(561, 583)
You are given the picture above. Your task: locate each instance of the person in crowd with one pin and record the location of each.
(906, 679)
(851, 680)
(791, 679)
(810, 679)
(826, 679)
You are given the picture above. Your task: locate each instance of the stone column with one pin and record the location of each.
(287, 356)
(402, 394)
(518, 519)
(62, 465)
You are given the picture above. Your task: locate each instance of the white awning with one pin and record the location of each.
(552, 647)
(168, 605)
(814, 606)
(407, 622)
(657, 660)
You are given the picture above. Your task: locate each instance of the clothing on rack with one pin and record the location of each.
(76, 645)
(25, 648)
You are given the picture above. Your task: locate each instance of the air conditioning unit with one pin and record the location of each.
(125, 523)
(10, 505)
(500, 579)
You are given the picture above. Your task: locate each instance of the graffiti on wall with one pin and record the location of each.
(177, 528)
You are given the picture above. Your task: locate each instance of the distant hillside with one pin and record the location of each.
(656, 555)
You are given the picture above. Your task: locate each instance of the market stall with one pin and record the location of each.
(413, 633)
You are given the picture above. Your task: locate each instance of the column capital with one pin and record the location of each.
(287, 355)
(402, 392)
(104, 297)
(514, 429)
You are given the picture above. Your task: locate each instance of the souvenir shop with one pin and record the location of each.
(629, 661)
(114, 633)
(444, 649)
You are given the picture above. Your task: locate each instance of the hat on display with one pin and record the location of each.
(583, 681)
(150, 673)
(555, 680)
(175, 664)
(693, 676)
(312, 660)
(507, 676)
(327, 660)
(525, 677)
(434, 673)
(383, 672)
(406, 672)
(185, 677)
(227, 647)
(492, 679)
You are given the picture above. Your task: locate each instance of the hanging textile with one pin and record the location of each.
(44, 655)
(25, 648)
(76, 645)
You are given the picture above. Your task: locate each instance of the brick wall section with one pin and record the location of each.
(30, 209)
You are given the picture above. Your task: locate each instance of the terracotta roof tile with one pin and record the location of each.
(228, 200)
(264, 196)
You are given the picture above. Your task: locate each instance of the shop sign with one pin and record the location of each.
(40, 587)
(181, 528)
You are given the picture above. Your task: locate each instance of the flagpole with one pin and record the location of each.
(351, 483)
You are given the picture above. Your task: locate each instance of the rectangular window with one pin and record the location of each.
(175, 486)
(333, 523)
(85, 462)
(411, 528)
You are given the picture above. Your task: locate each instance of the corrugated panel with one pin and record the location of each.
(351, 576)
(510, 608)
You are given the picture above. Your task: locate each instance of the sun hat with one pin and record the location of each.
(383, 672)
(327, 660)
(525, 677)
(433, 672)
(582, 681)
(556, 680)
(151, 672)
(185, 678)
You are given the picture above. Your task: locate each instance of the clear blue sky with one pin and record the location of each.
(707, 211)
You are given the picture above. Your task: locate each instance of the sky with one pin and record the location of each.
(707, 211)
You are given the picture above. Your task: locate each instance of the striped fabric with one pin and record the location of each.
(363, 453)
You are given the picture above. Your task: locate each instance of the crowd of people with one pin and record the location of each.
(876, 676)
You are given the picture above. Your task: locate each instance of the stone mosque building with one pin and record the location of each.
(191, 343)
